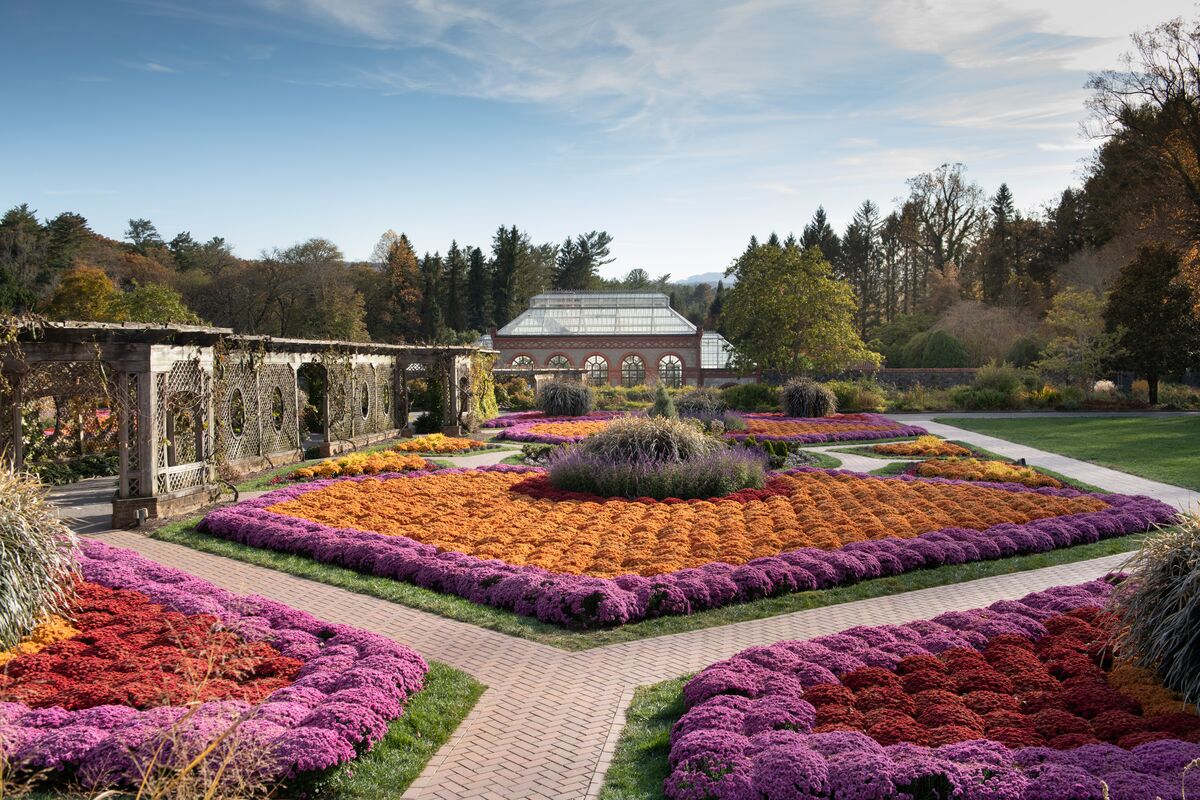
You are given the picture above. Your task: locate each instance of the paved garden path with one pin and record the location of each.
(547, 724)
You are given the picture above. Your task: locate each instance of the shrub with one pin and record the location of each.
(751, 397)
(1104, 387)
(38, 554)
(637, 438)
(1024, 351)
(863, 394)
(515, 394)
(1003, 378)
(807, 398)
(700, 401)
(664, 406)
(775, 452)
(565, 399)
(711, 475)
(537, 453)
(940, 350)
(1158, 606)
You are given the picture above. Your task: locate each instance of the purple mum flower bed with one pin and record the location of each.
(839, 430)
(747, 734)
(583, 601)
(352, 683)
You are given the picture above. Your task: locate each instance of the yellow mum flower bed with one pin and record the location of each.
(923, 446)
(974, 469)
(54, 629)
(439, 443)
(360, 464)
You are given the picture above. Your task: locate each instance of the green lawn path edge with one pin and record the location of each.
(639, 764)
(507, 622)
(1161, 448)
(430, 718)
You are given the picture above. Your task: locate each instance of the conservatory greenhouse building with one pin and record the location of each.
(615, 338)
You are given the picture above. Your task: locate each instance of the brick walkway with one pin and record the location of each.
(547, 724)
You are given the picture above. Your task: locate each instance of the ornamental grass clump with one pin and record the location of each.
(656, 457)
(709, 402)
(804, 397)
(565, 399)
(1158, 606)
(37, 552)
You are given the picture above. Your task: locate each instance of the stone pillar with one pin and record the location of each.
(450, 398)
(123, 413)
(16, 383)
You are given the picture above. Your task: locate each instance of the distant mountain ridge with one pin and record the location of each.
(705, 277)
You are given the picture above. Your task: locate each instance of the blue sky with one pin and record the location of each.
(680, 126)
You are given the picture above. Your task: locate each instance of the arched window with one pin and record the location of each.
(596, 368)
(522, 361)
(558, 362)
(670, 372)
(633, 371)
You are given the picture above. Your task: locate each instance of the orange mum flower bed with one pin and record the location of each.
(479, 513)
(54, 629)
(585, 428)
(928, 446)
(974, 469)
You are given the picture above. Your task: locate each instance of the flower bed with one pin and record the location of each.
(838, 428)
(164, 658)
(440, 444)
(561, 431)
(1020, 700)
(357, 464)
(976, 469)
(526, 417)
(923, 446)
(504, 536)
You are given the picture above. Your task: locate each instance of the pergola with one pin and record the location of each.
(186, 407)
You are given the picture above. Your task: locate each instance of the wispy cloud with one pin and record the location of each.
(150, 66)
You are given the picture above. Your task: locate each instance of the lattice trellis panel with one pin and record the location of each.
(185, 443)
(237, 410)
(67, 413)
(125, 404)
(339, 391)
(277, 405)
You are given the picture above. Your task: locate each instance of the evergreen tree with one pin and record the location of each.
(506, 245)
(773, 240)
(1153, 312)
(22, 258)
(1000, 252)
(455, 311)
(478, 284)
(66, 235)
(819, 233)
(860, 264)
(431, 306)
(402, 318)
(185, 250)
(579, 260)
(714, 311)
(143, 236)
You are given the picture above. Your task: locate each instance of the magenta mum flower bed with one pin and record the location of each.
(526, 417)
(471, 506)
(1018, 701)
(350, 685)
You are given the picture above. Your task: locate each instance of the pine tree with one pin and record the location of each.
(505, 246)
(999, 258)
(143, 236)
(819, 233)
(455, 311)
(860, 264)
(579, 260)
(431, 306)
(478, 284)
(66, 235)
(22, 258)
(402, 319)
(714, 311)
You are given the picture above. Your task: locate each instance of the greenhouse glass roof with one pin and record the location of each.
(598, 313)
(715, 352)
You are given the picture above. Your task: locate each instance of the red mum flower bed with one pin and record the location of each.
(1056, 692)
(132, 652)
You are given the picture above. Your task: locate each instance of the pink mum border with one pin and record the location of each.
(581, 601)
(530, 417)
(351, 685)
(747, 733)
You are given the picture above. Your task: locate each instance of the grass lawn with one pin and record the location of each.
(1160, 448)
(639, 764)
(429, 718)
(455, 607)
